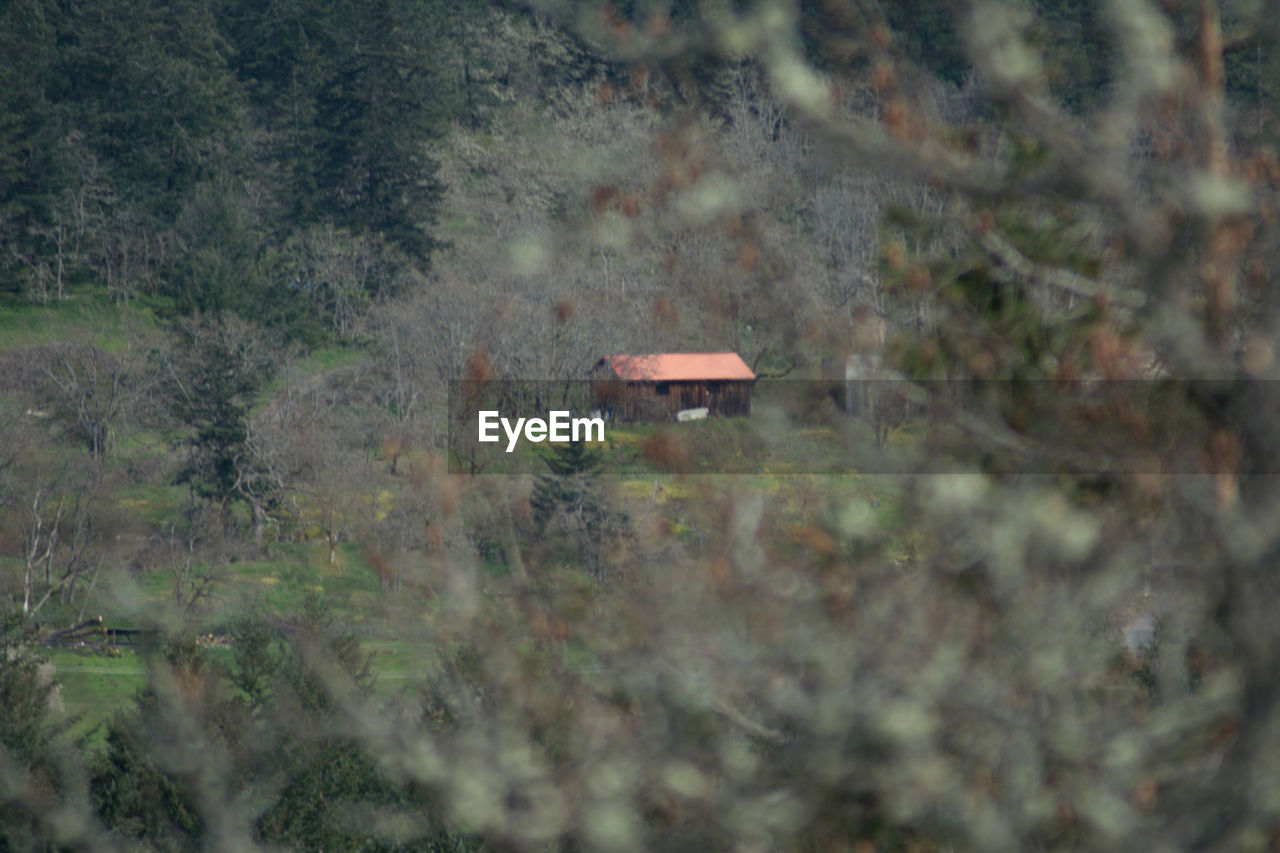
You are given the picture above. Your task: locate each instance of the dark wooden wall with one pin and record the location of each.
(642, 401)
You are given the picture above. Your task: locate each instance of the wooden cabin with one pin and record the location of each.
(659, 386)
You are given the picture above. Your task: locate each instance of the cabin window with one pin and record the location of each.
(662, 389)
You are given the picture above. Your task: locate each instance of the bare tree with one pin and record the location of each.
(56, 517)
(191, 562)
(92, 391)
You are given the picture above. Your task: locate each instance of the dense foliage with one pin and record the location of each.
(173, 151)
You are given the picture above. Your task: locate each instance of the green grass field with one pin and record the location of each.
(77, 318)
(96, 685)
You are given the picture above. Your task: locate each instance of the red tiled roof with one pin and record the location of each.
(680, 366)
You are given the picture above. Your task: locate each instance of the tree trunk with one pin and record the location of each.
(259, 524)
(512, 546)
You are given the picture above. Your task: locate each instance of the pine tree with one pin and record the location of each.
(566, 488)
(573, 517)
(148, 84)
(33, 168)
(26, 732)
(386, 99)
(212, 384)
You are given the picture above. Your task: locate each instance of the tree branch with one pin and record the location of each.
(1009, 256)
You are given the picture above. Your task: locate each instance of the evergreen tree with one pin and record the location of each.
(148, 84)
(222, 269)
(26, 736)
(571, 513)
(285, 55)
(1077, 49)
(255, 653)
(287, 744)
(385, 102)
(135, 785)
(566, 488)
(926, 32)
(212, 379)
(32, 160)
(350, 94)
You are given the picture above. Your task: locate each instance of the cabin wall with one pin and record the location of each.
(641, 401)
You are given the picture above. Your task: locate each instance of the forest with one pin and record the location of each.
(260, 260)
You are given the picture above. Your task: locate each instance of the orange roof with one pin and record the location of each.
(680, 366)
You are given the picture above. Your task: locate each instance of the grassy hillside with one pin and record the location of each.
(144, 578)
